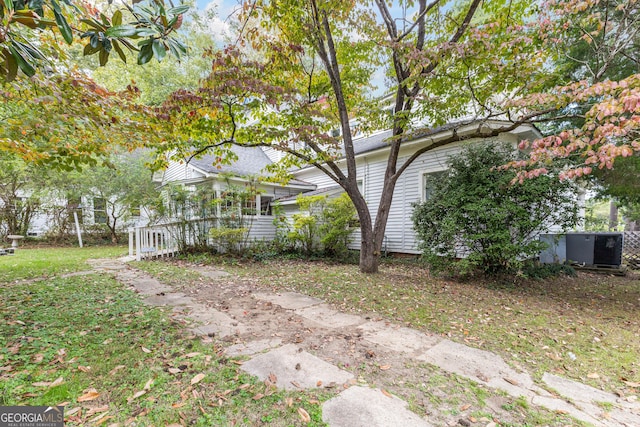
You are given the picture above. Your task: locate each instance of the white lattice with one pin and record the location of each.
(631, 249)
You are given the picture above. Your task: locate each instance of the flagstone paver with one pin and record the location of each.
(367, 407)
(296, 369)
(401, 339)
(288, 300)
(324, 315)
(253, 347)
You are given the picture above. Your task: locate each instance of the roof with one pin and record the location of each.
(251, 161)
(381, 139)
(320, 191)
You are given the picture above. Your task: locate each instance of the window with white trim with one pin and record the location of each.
(428, 180)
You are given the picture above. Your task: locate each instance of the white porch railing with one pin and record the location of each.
(164, 240)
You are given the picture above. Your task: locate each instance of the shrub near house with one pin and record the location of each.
(474, 212)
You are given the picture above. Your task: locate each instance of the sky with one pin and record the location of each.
(223, 9)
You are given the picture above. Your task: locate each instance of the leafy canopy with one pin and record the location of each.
(147, 27)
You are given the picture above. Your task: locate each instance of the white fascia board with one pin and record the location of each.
(522, 129)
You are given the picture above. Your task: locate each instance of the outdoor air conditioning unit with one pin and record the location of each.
(583, 249)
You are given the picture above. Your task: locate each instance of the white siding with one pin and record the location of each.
(399, 234)
(177, 171)
(262, 229)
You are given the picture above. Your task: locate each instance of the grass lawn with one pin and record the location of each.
(28, 263)
(585, 327)
(89, 343)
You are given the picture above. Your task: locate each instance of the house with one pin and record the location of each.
(371, 156)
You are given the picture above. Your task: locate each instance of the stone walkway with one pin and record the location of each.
(295, 368)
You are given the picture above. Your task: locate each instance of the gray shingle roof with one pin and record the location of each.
(251, 161)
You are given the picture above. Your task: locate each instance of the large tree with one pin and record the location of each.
(305, 67)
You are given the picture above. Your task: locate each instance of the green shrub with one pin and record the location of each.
(338, 222)
(229, 239)
(476, 221)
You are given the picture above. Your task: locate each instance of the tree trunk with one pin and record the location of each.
(369, 254)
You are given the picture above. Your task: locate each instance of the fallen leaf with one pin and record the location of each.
(195, 380)
(593, 375)
(511, 381)
(190, 355)
(289, 401)
(41, 384)
(72, 411)
(37, 358)
(178, 405)
(116, 369)
(273, 378)
(465, 407)
(89, 395)
(57, 382)
(174, 370)
(145, 349)
(136, 395)
(632, 384)
(100, 419)
(99, 409)
(385, 392)
(304, 415)
(319, 383)
(237, 362)
(175, 425)
(84, 369)
(258, 396)
(148, 385)
(295, 384)
(384, 367)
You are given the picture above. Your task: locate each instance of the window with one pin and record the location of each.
(99, 210)
(265, 205)
(135, 211)
(428, 181)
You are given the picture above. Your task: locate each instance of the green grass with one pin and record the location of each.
(64, 338)
(47, 262)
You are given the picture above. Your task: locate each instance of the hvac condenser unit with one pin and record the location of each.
(585, 249)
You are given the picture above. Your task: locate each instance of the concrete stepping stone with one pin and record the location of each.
(171, 299)
(582, 392)
(480, 366)
(367, 407)
(253, 347)
(587, 398)
(562, 406)
(149, 286)
(295, 369)
(400, 339)
(288, 300)
(324, 315)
